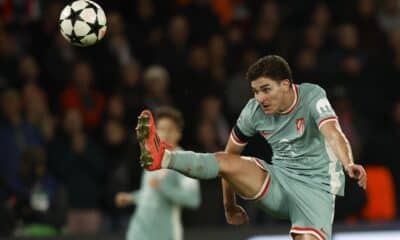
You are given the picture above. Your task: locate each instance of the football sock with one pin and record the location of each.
(191, 164)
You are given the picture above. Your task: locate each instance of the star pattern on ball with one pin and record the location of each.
(75, 16)
(76, 40)
(82, 27)
(94, 27)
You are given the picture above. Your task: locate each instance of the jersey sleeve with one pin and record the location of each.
(135, 195)
(181, 190)
(321, 109)
(244, 128)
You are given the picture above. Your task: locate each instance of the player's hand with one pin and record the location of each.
(236, 215)
(357, 172)
(123, 199)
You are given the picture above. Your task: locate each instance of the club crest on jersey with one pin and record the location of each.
(300, 126)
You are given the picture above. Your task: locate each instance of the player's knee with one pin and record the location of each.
(226, 163)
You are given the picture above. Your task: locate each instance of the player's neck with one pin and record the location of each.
(176, 147)
(290, 101)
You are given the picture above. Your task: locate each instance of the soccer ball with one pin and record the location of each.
(83, 23)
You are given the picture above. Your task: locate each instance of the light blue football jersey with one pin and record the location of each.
(299, 148)
(158, 211)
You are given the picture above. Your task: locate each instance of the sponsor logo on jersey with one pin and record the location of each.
(300, 126)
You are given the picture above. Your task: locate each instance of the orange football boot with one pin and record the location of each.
(151, 147)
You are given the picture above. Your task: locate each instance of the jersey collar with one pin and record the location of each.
(296, 100)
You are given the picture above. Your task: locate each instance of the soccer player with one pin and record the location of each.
(309, 152)
(162, 193)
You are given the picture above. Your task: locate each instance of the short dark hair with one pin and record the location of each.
(270, 66)
(170, 113)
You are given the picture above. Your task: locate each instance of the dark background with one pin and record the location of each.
(68, 113)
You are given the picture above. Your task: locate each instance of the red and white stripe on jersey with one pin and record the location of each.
(295, 101)
(325, 120)
(236, 140)
(307, 230)
(265, 186)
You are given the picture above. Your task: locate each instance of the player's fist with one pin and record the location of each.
(123, 199)
(236, 215)
(357, 172)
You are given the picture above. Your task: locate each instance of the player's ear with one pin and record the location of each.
(285, 84)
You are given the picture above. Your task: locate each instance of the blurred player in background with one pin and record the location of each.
(307, 142)
(162, 193)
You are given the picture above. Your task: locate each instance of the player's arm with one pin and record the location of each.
(326, 120)
(241, 133)
(123, 199)
(234, 213)
(341, 148)
(187, 194)
(227, 191)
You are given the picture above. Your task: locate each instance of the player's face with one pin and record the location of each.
(168, 131)
(270, 94)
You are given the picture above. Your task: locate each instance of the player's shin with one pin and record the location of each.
(191, 164)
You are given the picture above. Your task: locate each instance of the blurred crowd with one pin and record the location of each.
(68, 114)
